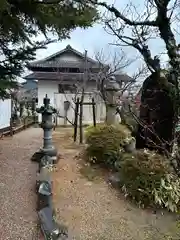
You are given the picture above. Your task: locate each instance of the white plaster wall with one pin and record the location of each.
(100, 109)
(57, 100)
(49, 88)
(5, 113)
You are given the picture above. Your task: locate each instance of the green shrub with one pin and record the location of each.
(147, 178)
(105, 143)
(168, 193)
(91, 129)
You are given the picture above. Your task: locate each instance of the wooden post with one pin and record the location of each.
(34, 119)
(54, 122)
(33, 107)
(11, 127)
(80, 123)
(24, 123)
(94, 112)
(85, 78)
(76, 119)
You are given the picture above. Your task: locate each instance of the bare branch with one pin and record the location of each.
(117, 63)
(138, 44)
(118, 14)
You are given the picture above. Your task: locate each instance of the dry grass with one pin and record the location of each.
(93, 210)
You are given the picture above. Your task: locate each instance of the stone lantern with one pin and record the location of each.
(47, 112)
(112, 89)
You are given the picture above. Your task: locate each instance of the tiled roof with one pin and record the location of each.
(63, 64)
(73, 76)
(57, 76)
(51, 61)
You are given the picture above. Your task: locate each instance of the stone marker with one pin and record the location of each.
(112, 92)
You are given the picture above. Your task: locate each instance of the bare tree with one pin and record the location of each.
(106, 70)
(134, 28)
(113, 65)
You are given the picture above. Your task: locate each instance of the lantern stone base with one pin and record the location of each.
(51, 152)
(37, 156)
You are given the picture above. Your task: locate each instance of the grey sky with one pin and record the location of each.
(95, 38)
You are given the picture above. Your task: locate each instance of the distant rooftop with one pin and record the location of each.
(50, 68)
(55, 61)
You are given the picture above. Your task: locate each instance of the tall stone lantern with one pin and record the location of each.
(112, 89)
(47, 112)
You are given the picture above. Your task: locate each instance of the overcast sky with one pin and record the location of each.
(95, 39)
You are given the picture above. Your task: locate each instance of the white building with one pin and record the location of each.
(62, 77)
(5, 116)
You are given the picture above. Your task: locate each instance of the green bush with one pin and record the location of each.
(91, 129)
(105, 143)
(147, 178)
(168, 193)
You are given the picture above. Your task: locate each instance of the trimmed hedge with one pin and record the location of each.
(105, 143)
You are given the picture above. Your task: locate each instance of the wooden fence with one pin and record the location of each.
(14, 128)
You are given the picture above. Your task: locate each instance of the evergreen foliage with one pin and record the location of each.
(21, 21)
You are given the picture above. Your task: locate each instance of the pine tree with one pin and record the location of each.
(21, 21)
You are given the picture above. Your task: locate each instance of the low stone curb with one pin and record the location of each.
(50, 228)
(47, 157)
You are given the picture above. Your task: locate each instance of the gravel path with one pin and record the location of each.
(18, 219)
